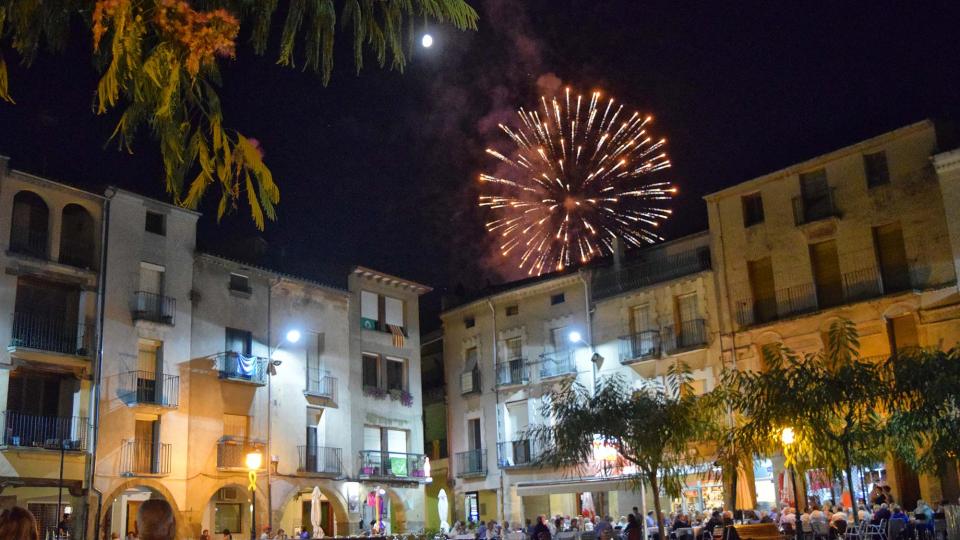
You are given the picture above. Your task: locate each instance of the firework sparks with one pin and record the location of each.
(581, 178)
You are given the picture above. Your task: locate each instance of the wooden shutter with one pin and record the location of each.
(763, 289)
(826, 273)
(892, 256)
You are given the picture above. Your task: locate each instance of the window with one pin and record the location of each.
(559, 339)
(156, 223)
(393, 311)
(378, 311)
(239, 341)
(236, 426)
(227, 517)
(469, 322)
(239, 283)
(513, 310)
(514, 348)
(471, 503)
(763, 289)
(369, 310)
(474, 437)
(151, 278)
(640, 318)
(395, 374)
(371, 370)
(752, 209)
(875, 168)
(892, 256)
(558, 298)
(826, 273)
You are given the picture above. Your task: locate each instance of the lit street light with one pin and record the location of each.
(293, 335)
(788, 437)
(254, 460)
(427, 41)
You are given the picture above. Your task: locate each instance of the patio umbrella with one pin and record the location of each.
(442, 509)
(586, 505)
(315, 512)
(786, 489)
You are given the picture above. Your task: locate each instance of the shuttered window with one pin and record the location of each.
(892, 257)
(875, 168)
(826, 273)
(763, 289)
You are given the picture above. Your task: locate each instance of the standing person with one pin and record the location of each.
(265, 535)
(18, 523)
(205, 535)
(632, 530)
(540, 530)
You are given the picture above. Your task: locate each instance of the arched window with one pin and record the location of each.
(28, 232)
(77, 237)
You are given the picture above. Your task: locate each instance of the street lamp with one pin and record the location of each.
(788, 438)
(596, 360)
(254, 460)
(293, 335)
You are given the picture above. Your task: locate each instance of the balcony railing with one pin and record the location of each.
(236, 367)
(33, 431)
(77, 255)
(686, 335)
(387, 465)
(140, 458)
(321, 385)
(320, 460)
(520, 453)
(30, 242)
(659, 268)
(814, 207)
(640, 346)
(51, 334)
(470, 381)
(154, 307)
(557, 364)
(232, 451)
(148, 388)
(472, 463)
(513, 372)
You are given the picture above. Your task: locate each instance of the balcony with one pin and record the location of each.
(516, 454)
(470, 382)
(144, 458)
(644, 345)
(47, 432)
(557, 364)
(235, 367)
(32, 243)
(378, 465)
(687, 335)
(321, 385)
(232, 452)
(472, 463)
(146, 388)
(320, 461)
(77, 255)
(513, 372)
(56, 335)
(657, 269)
(814, 207)
(154, 308)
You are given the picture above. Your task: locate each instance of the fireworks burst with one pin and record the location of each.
(580, 180)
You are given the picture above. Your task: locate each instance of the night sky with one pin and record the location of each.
(380, 169)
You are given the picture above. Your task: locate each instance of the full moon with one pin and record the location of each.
(427, 40)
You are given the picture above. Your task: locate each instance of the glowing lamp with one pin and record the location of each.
(787, 436)
(293, 336)
(254, 460)
(574, 337)
(427, 41)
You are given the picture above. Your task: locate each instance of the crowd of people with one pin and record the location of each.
(817, 521)
(154, 521)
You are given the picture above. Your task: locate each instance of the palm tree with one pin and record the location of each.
(160, 60)
(652, 428)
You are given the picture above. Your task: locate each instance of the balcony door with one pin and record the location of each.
(687, 330)
(763, 289)
(892, 257)
(149, 371)
(826, 273)
(146, 448)
(47, 316)
(517, 421)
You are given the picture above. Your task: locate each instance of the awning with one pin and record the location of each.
(574, 485)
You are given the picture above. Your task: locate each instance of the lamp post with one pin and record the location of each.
(254, 460)
(788, 438)
(292, 336)
(595, 359)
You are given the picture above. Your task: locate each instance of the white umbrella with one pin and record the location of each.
(442, 509)
(586, 504)
(315, 512)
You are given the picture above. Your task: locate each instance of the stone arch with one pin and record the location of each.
(77, 237)
(156, 487)
(30, 225)
(398, 512)
(291, 488)
(242, 487)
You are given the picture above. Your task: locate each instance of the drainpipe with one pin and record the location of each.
(589, 323)
(98, 368)
(269, 401)
(496, 393)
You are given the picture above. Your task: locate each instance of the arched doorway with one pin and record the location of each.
(294, 514)
(77, 237)
(31, 221)
(120, 510)
(229, 508)
(392, 509)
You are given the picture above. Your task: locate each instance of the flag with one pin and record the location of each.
(398, 338)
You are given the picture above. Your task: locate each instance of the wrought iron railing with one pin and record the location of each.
(814, 207)
(557, 364)
(139, 457)
(320, 460)
(232, 451)
(51, 334)
(472, 463)
(470, 381)
(659, 268)
(236, 367)
(380, 464)
(30, 242)
(644, 345)
(35, 431)
(319, 384)
(154, 307)
(149, 388)
(77, 254)
(513, 372)
(686, 335)
(519, 453)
